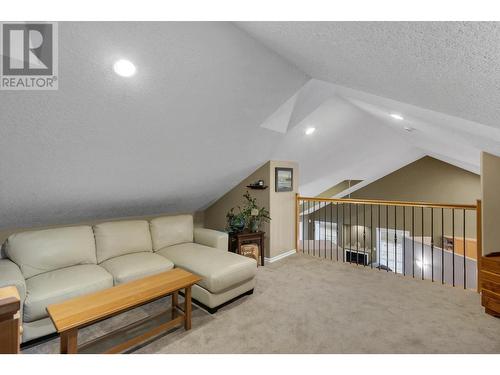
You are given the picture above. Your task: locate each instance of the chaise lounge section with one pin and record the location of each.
(51, 265)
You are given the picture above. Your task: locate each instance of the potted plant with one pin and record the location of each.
(236, 222)
(251, 216)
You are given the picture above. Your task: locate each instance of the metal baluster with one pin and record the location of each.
(342, 233)
(371, 236)
(465, 264)
(364, 235)
(442, 245)
(325, 227)
(350, 233)
(319, 229)
(324, 230)
(331, 229)
(453, 236)
(314, 228)
(357, 235)
(319, 226)
(387, 238)
(432, 244)
(404, 240)
(311, 226)
(308, 226)
(337, 229)
(422, 243)
(379, 249)
(303, 226)
(395, 241)
(413, 240)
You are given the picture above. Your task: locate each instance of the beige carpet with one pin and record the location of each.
(307, 305)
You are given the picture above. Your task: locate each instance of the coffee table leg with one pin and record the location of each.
(187, 308)
(175, 302)
(69, 342)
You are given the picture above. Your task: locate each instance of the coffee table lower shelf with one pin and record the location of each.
(133, 334)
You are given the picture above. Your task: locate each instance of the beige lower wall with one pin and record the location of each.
(490, 189)
(425, 180)
(215, 215)
(428, 180)
(283, 212)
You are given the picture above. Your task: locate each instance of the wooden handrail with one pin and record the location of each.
(297, 215)
(460, 241)
(390, 203)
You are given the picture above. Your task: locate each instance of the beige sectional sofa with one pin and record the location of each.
(51, 265)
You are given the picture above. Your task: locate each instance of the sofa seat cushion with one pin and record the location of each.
(133, 266)
(60, 285)
(220, 270)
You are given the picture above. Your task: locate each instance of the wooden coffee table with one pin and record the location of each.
(71, 315)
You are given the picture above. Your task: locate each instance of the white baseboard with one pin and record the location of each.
(281, 256)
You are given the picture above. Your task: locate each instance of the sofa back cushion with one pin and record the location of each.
(41, 251)
(171, 230)
(121, 237)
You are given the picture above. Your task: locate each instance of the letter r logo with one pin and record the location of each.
(27, 49)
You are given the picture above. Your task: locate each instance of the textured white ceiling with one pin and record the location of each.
(356, 138)
(347, 142)
(449, 67)
(210, 103)
(177, 135)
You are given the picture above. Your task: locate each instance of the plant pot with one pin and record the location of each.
(237, 224)
(254, 226)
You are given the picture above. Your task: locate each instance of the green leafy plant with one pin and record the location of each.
(235, 221)
(251, 216)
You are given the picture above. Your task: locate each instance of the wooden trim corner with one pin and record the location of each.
(479, 242)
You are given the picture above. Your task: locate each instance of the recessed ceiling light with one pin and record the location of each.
(310, 130)
(124, 68)
(396, 116)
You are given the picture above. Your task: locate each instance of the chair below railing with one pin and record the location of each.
(430, 241)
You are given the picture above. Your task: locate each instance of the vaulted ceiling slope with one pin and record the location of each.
(448, 67)
(442, 77)
(212, 101)
(172, 138)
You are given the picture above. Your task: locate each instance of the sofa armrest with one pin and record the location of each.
(212, 238)
(10, 274)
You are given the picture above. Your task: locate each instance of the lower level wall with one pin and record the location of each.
(215, 215)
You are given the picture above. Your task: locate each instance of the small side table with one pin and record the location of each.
(238, 239)
(9, 320)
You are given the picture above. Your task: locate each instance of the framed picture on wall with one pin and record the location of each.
(283, 179)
